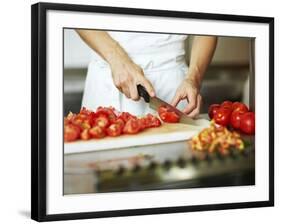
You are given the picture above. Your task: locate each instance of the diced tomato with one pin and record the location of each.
(114, 130)
(132, 126)
(102, 121)
(85, 135)
(71, 132)
(97, 132)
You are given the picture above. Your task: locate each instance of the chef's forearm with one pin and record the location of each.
(103, 44)
(203, 48)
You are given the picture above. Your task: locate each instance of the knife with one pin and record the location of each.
(155, 103)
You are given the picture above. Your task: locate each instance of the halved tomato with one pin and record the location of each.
(132, 126)
(102, 121)
(152, 121)
(71, 132)
(97, 132)
(114, 130)
(120, 122)
(85, 135)
(168, 115)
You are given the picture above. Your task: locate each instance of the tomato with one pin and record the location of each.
(235, 118)
(143, 123)
(71, 132)
(132, 126)
(152, 121)
(108, 112)
(85, 111)
(125, 116)
(227, 104)
(213, 109)
(247, 124)
(85, 135)
(114, 130)
(120, 122)
(97, 132)
(222, 117)
(162, 109)
(168, 115)
(102, 121)
(237, 106)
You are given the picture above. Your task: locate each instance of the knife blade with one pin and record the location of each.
(155, 103)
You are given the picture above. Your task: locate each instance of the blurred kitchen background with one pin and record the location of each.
(227, 77)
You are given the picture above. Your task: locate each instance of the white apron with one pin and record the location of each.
(162, 58)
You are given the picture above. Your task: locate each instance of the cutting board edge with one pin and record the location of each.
(161, 139)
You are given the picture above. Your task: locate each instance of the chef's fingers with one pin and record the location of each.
(148, 86)
(177, 98)
(126, 91)
(134, 92)
(192, 102)
(196, 111)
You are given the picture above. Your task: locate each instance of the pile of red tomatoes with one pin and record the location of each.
(233, 114)
(105, 121)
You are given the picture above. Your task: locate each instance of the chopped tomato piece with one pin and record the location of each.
(71, 132)
(120, 122)
(168, 115)
(132, 126)
(114, 130)
(152, 121)
(97, 132)
(102, 121)
(85, 135)
(125, 116)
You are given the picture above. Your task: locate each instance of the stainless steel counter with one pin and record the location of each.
(161, 166)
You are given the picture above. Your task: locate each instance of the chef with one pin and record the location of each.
(123, 60)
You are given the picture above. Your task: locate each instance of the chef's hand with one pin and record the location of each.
(127, 75)
(189, 90)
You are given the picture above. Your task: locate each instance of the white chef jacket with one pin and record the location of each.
(162, 58)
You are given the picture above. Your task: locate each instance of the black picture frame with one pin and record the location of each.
(39, 115)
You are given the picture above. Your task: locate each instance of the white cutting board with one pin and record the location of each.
(163, 134)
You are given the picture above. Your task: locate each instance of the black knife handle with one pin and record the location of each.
(143, 93)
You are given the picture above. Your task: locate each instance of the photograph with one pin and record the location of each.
(142, 111)
(157, 111)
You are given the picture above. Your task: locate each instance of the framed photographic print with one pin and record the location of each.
(139, 111)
